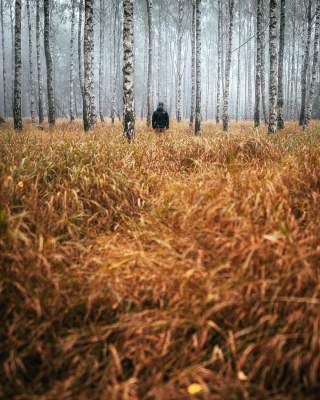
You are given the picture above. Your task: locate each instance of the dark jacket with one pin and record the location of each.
(160, 119)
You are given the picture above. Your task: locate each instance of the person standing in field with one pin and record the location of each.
(160, 119)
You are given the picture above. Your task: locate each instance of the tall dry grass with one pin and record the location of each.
(172, 268)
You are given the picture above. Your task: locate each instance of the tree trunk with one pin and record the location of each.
(258, 65)
(49, 63)
(293, 64)
(305, 68)
(150, 63)
(3, 63)
(263, 71)
(238, 68)
(81, 78)
(101, 50)
(128, 71)
(281, 64)
(219, 74)
(88, 55)
(193, 62)
(114, 70)
(226, 93)
(31, 83)
(179, 60)
(17, 68)
(315, 63)
(198, 68)
(40, 90)
(273, 53)
(71, 99)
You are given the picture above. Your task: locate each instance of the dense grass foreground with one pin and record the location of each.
(173, 268)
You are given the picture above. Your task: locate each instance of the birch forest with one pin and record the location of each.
(159, 199)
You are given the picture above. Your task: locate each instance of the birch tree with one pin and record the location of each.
(49, 64)
(225, 116)
(17, 68)
(315, 65)
(198, 68)
(273, 55)
(71, 79)
(128, 71)
(31, 82)
(258, 65)
(193, 62)
(88, 56)
(80, 64)
(304, 73)
(40, 89)
(101, 56)
(219, 74)
(150, 64)
(4, 74)
(281, 64)
(179, 60)
(263, 69)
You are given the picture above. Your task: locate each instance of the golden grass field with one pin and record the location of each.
(172, 268)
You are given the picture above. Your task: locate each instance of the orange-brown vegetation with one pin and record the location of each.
(172, 268)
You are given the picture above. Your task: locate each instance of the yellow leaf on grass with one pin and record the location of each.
(195, 388)
(20, 184)
(242, 376)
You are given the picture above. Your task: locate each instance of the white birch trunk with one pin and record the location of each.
(226, 94)
(101, 57)
(4, 74)
(40, 89)
(273, 53)
(258, 65)
(150, 64)
(17, 68)
(315, 65)
(281, 65)
(193, 62)
(88, 55)
(198, 68)
(49, 63)
(219, 74)
(128, 71)
(304, 73)
(71, 80)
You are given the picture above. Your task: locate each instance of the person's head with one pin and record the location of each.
(160, 106)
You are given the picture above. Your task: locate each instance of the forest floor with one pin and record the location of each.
(172, 268)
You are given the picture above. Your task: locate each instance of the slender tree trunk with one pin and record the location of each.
(258, 65)
(293, 63)
(4, 74)
(304, 74)
(101, 49)
(219, 74)
(281, 64)
(49, 63)
(150, 63)
(88, 55)
(114, 61)
(315, 64)
(273, 82)
(80, 64)
(71, 99)
(198, 68)
(128, 71)
(263, 71)
(239, 67)
(193, 62)
(31, 82)
(249, 65)
(179, 61)
(40, 89)
(17, 68)
(225, 116)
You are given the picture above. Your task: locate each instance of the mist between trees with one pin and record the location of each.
(234, 59)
